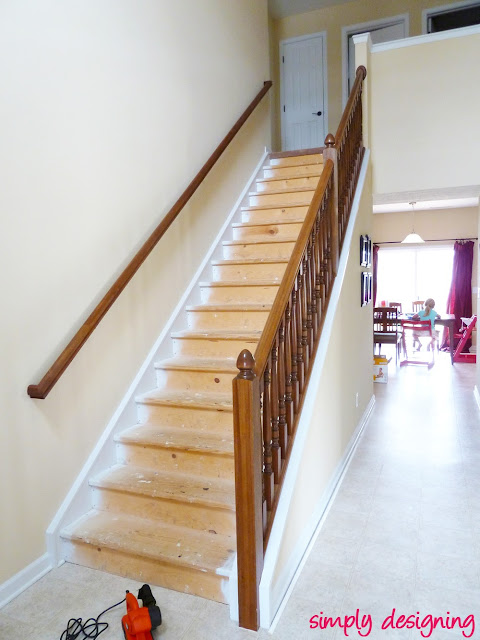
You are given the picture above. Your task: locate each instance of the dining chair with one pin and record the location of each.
(417, 305)
(397, 305)
(413, 331)
(386, 328)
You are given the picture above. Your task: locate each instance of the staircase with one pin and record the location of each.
(165, 513)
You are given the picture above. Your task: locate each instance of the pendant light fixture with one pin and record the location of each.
(413, 238)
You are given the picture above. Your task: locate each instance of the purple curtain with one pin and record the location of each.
(459, 299)
(374, 271)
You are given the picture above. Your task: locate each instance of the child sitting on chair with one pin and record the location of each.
(428, 313)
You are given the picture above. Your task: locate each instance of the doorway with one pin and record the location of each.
(383, 30)
(303, 92)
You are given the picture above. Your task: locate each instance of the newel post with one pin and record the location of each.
(248, 489)
(330, 152)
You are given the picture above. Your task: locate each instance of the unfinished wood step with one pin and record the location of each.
(211, 412)
(249, 269)
(293, 171)
(239, 292)
(251, 317)
(172, 557)
(291, 161)
(274, 214)
(203, 503)
(176, 450)
(197, 374)
(259, 248)
(282, 197)
(219, 343)
(266, 185)
(257, 231)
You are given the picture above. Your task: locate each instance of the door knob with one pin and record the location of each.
(317, 113)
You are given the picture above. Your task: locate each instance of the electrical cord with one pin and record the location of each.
(92, 628)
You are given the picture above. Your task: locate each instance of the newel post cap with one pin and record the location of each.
(329, 141)
(246, 364)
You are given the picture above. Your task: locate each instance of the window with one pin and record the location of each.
(415, 273)
(452, 16)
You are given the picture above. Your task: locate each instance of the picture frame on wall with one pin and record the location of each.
(364, 288)
(368, 251)
(363, 251)
(370, 286)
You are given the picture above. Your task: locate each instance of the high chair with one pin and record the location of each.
(458, 356)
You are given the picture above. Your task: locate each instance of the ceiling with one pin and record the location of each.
(283, 8)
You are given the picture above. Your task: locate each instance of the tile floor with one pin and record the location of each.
(403, 532)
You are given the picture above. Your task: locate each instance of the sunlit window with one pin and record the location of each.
(415, 273)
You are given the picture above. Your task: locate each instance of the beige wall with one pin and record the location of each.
(108, 111)
(347, 371)
(331, 20)
(424, 107)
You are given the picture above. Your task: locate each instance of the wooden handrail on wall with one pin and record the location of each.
(43, 388)
(269, 390)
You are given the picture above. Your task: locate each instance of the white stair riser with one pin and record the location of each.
(162, 574)
(245, 272)
(286, 183)
(209, 420)
(292, 172)
(203, 347)
(281, 250)
(193, 380)
(171, 460)
(227, 320)
(301, 197)
(267, 231)
(182, 514)
(273, 216)
(296, 160)
(239, 295)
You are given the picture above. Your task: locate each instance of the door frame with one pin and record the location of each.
(282, 43)
(364, 27)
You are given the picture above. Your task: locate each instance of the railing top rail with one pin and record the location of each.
(43, 388)
(357, 85)
(281, 299)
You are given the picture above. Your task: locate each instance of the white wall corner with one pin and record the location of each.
(78, 500)
(24, 579)
(270, 598)
(476, 395)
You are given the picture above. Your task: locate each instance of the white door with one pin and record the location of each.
(303, 93)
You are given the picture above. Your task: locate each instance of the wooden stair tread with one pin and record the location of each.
(173, 438)
(197, 400)
(249, 261)
(179, 487)
(230, 307)
(253, 240)
(307, 174)
(258, 207)
(226, 365)
(282, 191)
(206, 551)
(218, 335)
(240, 283)
(246, 225)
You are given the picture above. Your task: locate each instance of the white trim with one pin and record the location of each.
(430, 37)
(270, 599)
(433, 11)
(24, 579)
(78, 500)
(282, 43)
(299, 557)
(362, 28)
(476, 395)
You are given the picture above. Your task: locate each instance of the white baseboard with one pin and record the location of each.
(476, 395)
(78, 500)
(270, 597)
(292, 570)
(24, 579)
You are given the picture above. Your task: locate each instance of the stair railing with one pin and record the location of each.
(51, 377)
(269, 390)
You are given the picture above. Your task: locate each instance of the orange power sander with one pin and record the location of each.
(139, 621)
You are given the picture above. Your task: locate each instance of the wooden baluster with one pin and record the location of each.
(282, 384)
(304, 292)
(294, 343)
(299, 319)
(310, 296)
(330, 152)
(248, 487)
(318, 272)
(288, 370)
(276, 451)
(268, 479)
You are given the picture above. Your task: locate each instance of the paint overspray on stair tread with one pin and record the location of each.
(173, 437)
